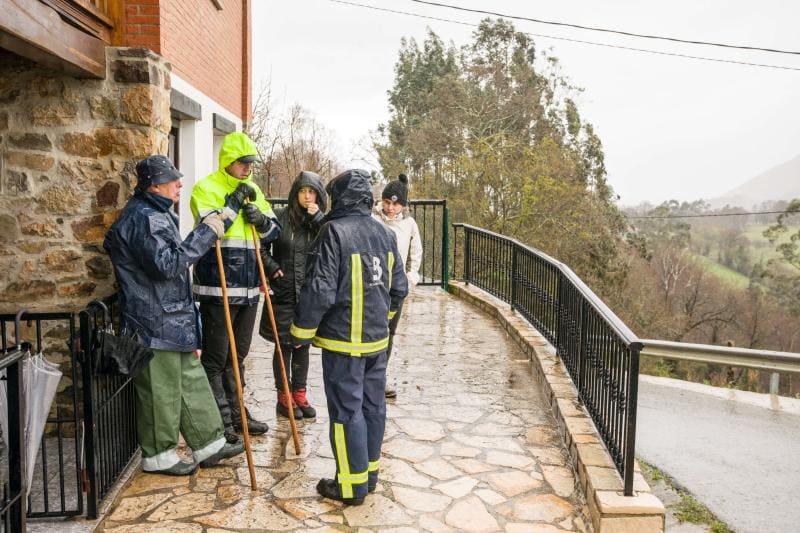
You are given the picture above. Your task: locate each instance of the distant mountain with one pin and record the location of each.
(779, 183)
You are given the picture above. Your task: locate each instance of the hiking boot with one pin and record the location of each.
(301, 402)
(228, 450)
(329, 488)
(282, 408)
(231, 435)
(180, 468)
(254, 427)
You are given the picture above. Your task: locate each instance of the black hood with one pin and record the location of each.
(309, 179)
(351, 194)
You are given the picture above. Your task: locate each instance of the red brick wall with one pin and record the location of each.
(141, 24)
(207, 47)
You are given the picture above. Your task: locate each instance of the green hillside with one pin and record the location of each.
(723, 273)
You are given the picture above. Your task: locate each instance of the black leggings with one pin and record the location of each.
(296, 362)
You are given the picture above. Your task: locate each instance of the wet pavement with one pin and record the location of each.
(470, 445)
(735, 451)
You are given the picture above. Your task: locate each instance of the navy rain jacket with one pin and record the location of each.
(152, 268)
(356, 279)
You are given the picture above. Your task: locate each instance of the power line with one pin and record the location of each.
(605, 30)
(713, 215)
(544, 36)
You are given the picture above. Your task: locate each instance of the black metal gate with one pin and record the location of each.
(432, 218)
(12, 505)
(56, 486)
(110, 412)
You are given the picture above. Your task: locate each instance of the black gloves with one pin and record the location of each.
(236, 199)
(253, 215)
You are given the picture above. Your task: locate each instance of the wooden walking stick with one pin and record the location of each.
(286, 390)
(235, 360)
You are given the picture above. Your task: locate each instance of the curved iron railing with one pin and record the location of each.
(599, 351)
(432, 220)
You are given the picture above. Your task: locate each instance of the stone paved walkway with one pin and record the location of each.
(469, 446)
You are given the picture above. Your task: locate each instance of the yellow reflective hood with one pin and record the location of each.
(234, 146)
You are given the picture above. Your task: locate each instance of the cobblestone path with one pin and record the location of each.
(469, 446)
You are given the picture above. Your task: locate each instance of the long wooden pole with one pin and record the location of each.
(286, 390)
(235, 362)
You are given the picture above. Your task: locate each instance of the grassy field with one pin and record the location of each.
(723, 273)
(762, 248)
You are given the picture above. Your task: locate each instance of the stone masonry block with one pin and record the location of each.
(62, 200)
(56, 114)
(614, 503)
(137, 105)
(580, 425)
(108, 194)
(131, 71)
(631, 524)
(93, 228)
(141, 53)
(16, 182)
(594, 455)
(28, 160)
(9, 229)
(30, 141)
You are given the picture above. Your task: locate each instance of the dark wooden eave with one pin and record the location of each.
(36, 31)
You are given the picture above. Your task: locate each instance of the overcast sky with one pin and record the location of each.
(671, 127)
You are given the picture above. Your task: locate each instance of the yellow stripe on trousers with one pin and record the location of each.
(345, 478)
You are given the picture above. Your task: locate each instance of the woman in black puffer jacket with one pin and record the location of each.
(286, 266)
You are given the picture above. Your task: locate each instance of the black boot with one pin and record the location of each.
(254, 427)
(221, 397)
(329, 488)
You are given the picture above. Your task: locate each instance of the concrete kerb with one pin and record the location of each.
(611, 512)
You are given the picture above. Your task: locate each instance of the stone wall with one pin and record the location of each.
(67, 153)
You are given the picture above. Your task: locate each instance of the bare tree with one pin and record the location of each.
(289, 140)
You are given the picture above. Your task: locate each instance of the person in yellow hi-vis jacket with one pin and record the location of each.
(355, 284)
(231, 181)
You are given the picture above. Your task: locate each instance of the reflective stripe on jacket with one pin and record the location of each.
(355, 280)
(238, 249)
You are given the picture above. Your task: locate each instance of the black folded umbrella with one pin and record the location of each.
(119, 354)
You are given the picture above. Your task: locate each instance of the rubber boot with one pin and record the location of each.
(301, 402)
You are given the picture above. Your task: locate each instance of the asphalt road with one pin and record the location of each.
(738, 453)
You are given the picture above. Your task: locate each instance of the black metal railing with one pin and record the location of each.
(56, 486)
(432, 219)
(109, 410)
(12, 505)
(599, 351)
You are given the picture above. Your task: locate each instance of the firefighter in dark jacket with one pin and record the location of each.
(300, 221)
(234, 175)
(152, 268)
(355, 283)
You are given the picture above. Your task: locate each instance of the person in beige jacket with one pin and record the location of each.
(392, 212)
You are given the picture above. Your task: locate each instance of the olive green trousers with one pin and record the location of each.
(173, 397)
